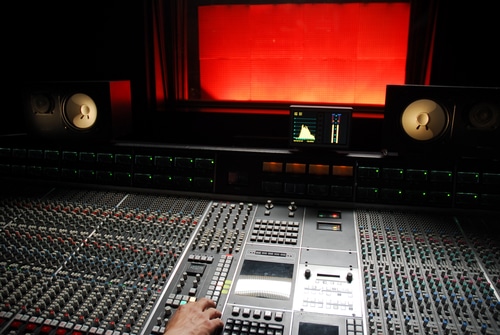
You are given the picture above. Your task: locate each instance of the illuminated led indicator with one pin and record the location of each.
(275, 167)
(342, 170)
(319, 169)
(329, 214)
(335, 122)
(297, 168)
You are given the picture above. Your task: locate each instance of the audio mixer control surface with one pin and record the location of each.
(118, 263)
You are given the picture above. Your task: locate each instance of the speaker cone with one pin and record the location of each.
(484, 116)
(42, 103)
(80, 111)
(424, 120)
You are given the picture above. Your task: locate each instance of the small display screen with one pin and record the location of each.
(320, 126)
(269, 280)
(306, 328)
(329, 226)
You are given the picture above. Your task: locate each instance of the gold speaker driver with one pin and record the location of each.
(424, 120)
(80, 111)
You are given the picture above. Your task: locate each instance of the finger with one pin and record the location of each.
(213, 313)
(217, 323)
(206, 303)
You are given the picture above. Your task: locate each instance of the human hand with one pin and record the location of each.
(195, 318)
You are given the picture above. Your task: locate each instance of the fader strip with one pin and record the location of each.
(423, 275)
(78, 262)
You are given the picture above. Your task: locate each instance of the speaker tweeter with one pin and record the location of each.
(42, 103)
(484, 116)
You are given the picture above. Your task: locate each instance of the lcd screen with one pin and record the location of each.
(265, 280)
(320, 126)
(306, 328)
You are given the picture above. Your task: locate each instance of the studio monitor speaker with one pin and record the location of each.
(442, 121)
(83, 111)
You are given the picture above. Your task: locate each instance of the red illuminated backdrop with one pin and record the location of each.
(329, 53)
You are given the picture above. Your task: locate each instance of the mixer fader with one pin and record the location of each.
(88, 261)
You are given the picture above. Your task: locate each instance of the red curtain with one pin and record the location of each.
(323, 53)
(169, 55)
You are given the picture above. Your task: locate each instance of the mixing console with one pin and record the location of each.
(90, 261)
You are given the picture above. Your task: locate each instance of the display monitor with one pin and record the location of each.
(265, 280)
(320, 126)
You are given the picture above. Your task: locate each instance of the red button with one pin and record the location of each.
(45, 329)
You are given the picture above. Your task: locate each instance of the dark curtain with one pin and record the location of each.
(179, 21)
(423, 22)
(166, 50)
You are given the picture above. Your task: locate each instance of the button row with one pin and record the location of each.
(257, 313)
(234, 326)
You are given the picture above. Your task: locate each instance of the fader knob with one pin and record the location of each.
(349, 277)
(307, 274)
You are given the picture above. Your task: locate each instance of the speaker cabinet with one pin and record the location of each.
(442, 121)
(88, 111)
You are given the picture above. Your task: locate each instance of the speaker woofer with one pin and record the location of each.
(80, 111)
(424, 120)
